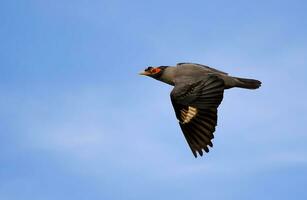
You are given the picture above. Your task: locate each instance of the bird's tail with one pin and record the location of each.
(247, 83)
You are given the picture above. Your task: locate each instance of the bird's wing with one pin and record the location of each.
(210, 69)
(195, 106)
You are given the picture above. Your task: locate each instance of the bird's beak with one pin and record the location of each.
(144, 73)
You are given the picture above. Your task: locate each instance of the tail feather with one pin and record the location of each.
(248, 83)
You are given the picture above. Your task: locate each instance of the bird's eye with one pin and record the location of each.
(155, 70)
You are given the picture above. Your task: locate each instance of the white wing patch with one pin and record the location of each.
(188, 115)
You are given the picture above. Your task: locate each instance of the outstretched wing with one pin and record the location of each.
(195, 106)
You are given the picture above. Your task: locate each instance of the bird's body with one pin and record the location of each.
(190, 72)
(198, 91)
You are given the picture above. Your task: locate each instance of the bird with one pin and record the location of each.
(197, 93)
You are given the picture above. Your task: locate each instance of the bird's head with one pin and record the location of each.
(154, 72)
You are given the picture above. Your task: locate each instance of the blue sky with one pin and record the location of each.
(77, 122)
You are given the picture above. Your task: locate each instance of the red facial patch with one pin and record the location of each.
(155, 70)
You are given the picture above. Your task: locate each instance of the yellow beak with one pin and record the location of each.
(144, 73)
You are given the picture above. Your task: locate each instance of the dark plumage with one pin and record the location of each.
(197, 93)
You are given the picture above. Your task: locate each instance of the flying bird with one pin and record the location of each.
(197, 93)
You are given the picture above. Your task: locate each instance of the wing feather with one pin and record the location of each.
(195, 107)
